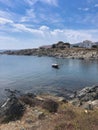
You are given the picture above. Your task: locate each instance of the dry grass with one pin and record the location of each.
(67, 117)
(78, 119)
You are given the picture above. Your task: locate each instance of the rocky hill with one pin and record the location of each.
(74, 53)
(84, 50)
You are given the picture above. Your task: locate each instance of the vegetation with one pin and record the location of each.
(78, 119)
(49, 112)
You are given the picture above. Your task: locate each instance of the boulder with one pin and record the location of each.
(88, 106)
(11, 110)
(86, 98)
(95, 103)
(75, 102)
(88, 93)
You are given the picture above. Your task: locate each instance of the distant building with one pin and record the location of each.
(85, 44)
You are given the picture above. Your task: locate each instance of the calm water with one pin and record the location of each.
(30, 73)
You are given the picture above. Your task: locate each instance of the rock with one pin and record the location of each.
(82, 92)
(61, 49)
(12, 110)
(50, 105)
(75, 102)
(86, 111)
(95, 103)
(41, 115)
(62, 99)
(86, 98)
(31, 95)
(27, 100)
(88, 106)
(30, 99)
(88, 93)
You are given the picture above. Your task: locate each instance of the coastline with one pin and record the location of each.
(52, 112)
(73, 53)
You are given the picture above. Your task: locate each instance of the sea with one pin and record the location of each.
(35, 74)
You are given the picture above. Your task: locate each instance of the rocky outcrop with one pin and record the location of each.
(11, 110)
(86, 98)
(74, 53)
(14, 107)
(45, 111)
(16, 104)
(83, 50)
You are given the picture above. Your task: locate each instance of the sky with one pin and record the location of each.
(33, 23)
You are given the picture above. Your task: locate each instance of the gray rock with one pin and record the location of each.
(86, 98)
(88, 93)
(95, 103)
(11, 110)
(75, 102)
(88, 106)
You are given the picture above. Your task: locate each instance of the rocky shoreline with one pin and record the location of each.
(45, 111)
(74, 53)
(83, 50)
(86, 98)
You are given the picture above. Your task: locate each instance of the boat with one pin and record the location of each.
(55, 66)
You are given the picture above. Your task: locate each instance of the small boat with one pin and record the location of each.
(55, 66)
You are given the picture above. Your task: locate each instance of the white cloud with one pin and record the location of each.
(10, 15)
(31, 2)
(48, 35)
(5, 14)
(51, 2)
(30, 16)
(8, 42)
(96, 5)
(37, 17)
(44, 28)
(71, 36)
(84, 9)
(23, 28)
(44, 35)
(5, 21)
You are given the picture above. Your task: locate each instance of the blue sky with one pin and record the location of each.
(32, 23)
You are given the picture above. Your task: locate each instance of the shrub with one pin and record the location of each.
(50, 105)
